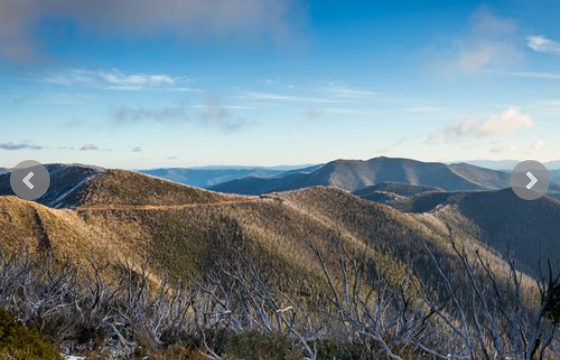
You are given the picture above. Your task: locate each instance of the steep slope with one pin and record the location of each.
(79, 185)
(126, 188)
(527, 229)
(355, 175)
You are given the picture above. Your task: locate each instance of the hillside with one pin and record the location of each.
(501, 220)
(138, 227)
(125, 216)
(353, 175)
(78, 185)
(67, 182)
(401, 189)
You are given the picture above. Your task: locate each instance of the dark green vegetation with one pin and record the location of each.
(20, 343)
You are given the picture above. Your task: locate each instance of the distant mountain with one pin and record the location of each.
(353, 175)
(508, 164)
(210, 176)
(246, 167)
(206, 178)
(66, 182)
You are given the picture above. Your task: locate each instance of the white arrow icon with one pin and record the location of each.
(531, 183)
(29, 184)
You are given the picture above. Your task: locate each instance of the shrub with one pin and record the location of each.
(20, 343)
(253, 345)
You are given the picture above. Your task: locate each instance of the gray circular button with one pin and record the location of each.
(529, 180)
(30, 180)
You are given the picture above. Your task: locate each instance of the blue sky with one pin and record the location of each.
(141, 84)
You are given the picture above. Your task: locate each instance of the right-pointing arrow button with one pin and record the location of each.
(529, 180)
(532, 182)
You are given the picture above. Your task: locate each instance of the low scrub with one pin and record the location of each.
(234, 313)
(19, 343)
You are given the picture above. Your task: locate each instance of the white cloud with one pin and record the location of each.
(510, 121)
(186, 19)
(542, 44)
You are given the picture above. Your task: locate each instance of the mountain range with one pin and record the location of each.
(118, 215)
(353, 175)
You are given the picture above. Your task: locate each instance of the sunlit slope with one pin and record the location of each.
(188, 232)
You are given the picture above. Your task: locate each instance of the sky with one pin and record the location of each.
(139, 84)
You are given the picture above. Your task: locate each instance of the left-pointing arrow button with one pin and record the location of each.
(30, 180)
(27, 182)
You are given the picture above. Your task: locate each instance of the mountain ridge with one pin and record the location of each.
(353, 175)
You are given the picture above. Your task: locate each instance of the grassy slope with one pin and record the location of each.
(188, 232)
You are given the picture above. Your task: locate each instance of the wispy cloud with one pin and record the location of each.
(114, 79)
(178, 112)
(187, 19)
(504, 149)
(312, 113)
(348, 92)
(462, 128)
(211, 113)
(288, 98)
(536, 146)
(137, 149)
(527, 74)
(542, 44)
(489, 42)
(13, 146)
(509, 121)
(216, 115)
(391, 146)
(89, 147)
